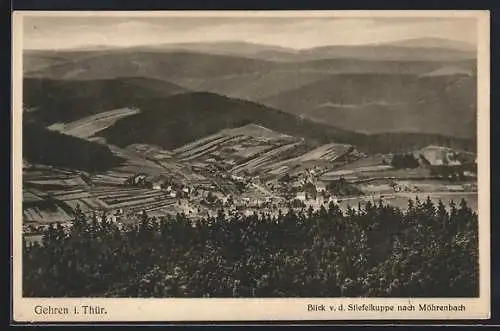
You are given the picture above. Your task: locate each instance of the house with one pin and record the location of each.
(333, 199)
(320, 187)
(156, 187)
(173, 194)
(118, 211)
(237, 178)
(469, 174)
(185, 190)
(302, 196)
(397, 188)
(455, 188)
(139, 178)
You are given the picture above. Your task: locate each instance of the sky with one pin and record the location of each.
(293, 32)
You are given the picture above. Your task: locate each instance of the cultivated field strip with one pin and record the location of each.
(75, 181)
(82, 204)
(48, 177)
(112, 200)
(277, 171)
(73, 196)
(261, 160)
(32, 214)
(113, 190)
(202, 147)
(41, 216)
(154, 206)
(95, 203)
(90, 125)
(134, 162)
(139, 201)
(29, 197)
(251, 151)
(108, 182)
(197, 143)
(105, 177)
(209, 147)
(329, 152)
(257, 132)
(107, 196)
(57, 193)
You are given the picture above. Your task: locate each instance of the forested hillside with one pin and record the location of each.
(42, 146)
(376, 251)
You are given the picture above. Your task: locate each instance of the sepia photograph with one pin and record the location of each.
(250, 165)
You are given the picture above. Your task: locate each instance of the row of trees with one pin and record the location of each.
(343, 188)
(404, 161)
(376, 251)
(452, 173)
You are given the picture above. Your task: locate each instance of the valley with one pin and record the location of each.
(246, 169)
(190, 129)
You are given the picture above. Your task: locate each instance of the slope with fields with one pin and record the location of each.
(246, 149)
(324, 154)
(203, 114)
(90, 125)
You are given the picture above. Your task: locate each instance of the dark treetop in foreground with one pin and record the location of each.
(376, 251)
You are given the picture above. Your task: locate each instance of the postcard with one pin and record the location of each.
(175, 166)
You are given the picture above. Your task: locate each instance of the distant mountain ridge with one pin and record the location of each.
(422, 49)
(435, 43)
(400, 50)
(172, 66)
(426, 49)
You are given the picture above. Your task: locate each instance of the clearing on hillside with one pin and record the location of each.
(88, 126)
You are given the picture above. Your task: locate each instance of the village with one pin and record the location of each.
(160, 196)
(192, 182)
